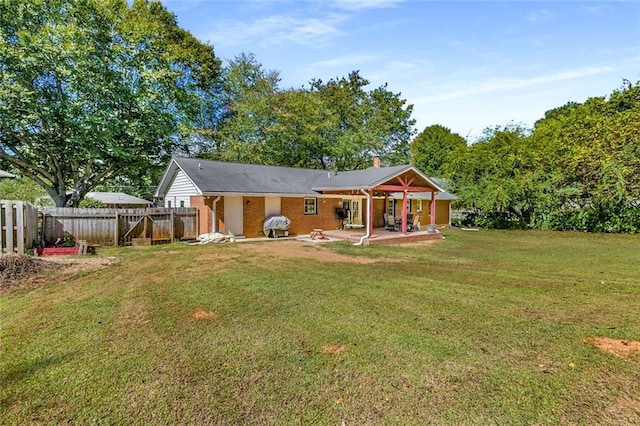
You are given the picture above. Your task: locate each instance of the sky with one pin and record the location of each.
(465, 65)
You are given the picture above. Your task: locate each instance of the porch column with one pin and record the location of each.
(370, 207)
(433, 207)
(404, 212)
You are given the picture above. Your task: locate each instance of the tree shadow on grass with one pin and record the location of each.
(13, 374)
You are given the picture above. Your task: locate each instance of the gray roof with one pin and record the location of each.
(365, 179)
(217, 177)
(4, 174)
(224, 177)
(116, 198)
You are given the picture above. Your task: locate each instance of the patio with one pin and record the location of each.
(381, 236)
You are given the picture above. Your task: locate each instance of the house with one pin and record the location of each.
(118, 200)
(236, 198)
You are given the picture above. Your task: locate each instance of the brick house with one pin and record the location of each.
(236, 198)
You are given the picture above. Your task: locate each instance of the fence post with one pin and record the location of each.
(173, 226)
(8, 215)
(20, 226)
(117, 236)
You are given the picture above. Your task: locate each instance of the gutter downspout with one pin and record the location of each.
(368, 233)
(214, 220)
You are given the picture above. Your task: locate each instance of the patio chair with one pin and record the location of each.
(415, 224)
(389, 222)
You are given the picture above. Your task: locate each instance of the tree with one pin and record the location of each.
(245, 111)
(433, 148)
(370, 124)
(593, 149)
(495, 177)
(23, 189)
(577, 169)
(93, 89)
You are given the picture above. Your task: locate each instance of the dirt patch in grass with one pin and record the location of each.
(204, 315)
(618, 347)
(333, 349)
(286, 250)
(28, 272)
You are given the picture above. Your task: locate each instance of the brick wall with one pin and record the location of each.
(219, 214)
(253, 216)
(301, 223)
(378, 211)
(442, 213)
(204, 210)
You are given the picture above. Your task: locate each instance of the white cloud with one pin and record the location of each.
(502, 84)
(366, 4)
(540, 16)
(277, 29)
(349, 60)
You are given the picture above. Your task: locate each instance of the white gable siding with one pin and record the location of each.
(181, 190)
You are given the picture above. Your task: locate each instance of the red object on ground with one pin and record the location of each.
(57, 251)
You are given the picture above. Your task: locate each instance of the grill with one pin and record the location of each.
(276, 226)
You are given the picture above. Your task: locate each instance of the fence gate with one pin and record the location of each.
(18, 226)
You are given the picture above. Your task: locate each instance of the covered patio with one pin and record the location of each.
(383, 184)
(382, 236)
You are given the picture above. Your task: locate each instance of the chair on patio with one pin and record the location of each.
(389, 222)
(415, 224)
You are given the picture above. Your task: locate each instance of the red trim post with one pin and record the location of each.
(404, 213)
(370, 207)
(433, 207)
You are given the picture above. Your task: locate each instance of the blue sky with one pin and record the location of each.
(464, 65)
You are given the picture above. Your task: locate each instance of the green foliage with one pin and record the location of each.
(92, 89)
(577, 169)
(434, 147)
(21, 189)
(91, 203)
(334, 125)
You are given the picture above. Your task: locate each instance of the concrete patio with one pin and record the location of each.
(382, 236)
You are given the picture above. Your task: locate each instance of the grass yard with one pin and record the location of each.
(488, 327)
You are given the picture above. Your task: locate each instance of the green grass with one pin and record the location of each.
(482, 328)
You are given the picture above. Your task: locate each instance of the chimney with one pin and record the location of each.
(376, 162)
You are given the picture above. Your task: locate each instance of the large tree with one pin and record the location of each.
(577, 169)
(375, 123)
(93, 89)
(335, 125)
(433, 148)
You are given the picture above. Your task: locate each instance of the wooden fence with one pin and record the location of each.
(119, 226)
(18, 226)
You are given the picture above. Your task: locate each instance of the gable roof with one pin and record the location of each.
(218, 177)
(116, 198)
(239, 178)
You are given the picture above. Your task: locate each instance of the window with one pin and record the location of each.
(181, 203)
(310, 205)
(419, 205)
(408, 205)
(390, 206)
(169, 203)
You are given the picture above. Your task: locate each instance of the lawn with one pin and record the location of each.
(488, 327)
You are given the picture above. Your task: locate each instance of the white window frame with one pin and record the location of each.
(391, 206)
(311, 209)
(419, 206)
